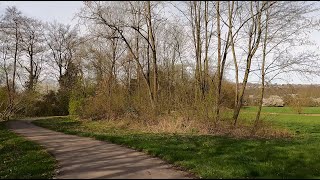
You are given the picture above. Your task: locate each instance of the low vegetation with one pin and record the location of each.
(20, 158)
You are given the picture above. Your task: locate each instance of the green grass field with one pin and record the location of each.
(22, 159)
(220, 157)
(289, 110)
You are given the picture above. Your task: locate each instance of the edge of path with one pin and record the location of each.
(56, 171)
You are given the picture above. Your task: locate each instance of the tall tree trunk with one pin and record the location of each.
(252, 49)
(234, 54)
(172, 79)
(15, 59)
(206, 63)
(195, 10)
(31, 72)
(31, 76)
(154, 58)
(218, 64)
(137, 68)
(263, 69)
(199, 48)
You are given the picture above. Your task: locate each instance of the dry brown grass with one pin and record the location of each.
(177, 124)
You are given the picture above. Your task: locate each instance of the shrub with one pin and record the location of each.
(51, 104)
(274, 100)
(28, 106)
(75, 105)
(228, 94)
(105, 104)
(296, 104)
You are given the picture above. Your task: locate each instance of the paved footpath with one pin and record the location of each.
(86, 158)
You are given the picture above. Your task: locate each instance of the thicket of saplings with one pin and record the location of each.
(110, 100)
(98, 101)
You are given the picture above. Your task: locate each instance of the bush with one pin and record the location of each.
(103, 105)
(29, 103)
(228, 94)
(274, 100)
(296, 106)
(75, 105)
(51, 104)
(3, 103)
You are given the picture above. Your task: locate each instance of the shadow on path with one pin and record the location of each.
(86, 158)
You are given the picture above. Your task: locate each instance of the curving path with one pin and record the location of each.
(86, 158)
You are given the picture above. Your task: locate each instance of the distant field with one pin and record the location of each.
(305, 110)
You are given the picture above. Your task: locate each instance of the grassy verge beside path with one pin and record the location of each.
(213, 156)
(23, 159)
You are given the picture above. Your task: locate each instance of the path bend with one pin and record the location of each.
(86, 158)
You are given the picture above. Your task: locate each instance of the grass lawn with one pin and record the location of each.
(305, 110)
(22, 159)
(218, 157)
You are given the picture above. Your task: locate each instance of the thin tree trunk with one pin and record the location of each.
(145, 77)
(234, 54)
(198, 26)
(252, 49)
(206, 64)
(218, 64)
(137, 68)
(263, 70)
(154, 57)
(31, 75)
(15, 59)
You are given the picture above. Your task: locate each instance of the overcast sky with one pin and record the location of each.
(64, 12)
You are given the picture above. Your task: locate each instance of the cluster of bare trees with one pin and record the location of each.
(28, 45)
(163, 56)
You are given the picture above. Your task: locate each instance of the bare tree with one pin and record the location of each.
(11, 48)
(222, 57)
(100, 14)
(11, 25)
(254, 37)
(263, 64)
(284, 25)
(33, 46)
(62, 42)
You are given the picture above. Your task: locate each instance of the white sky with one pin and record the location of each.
(64, 12)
